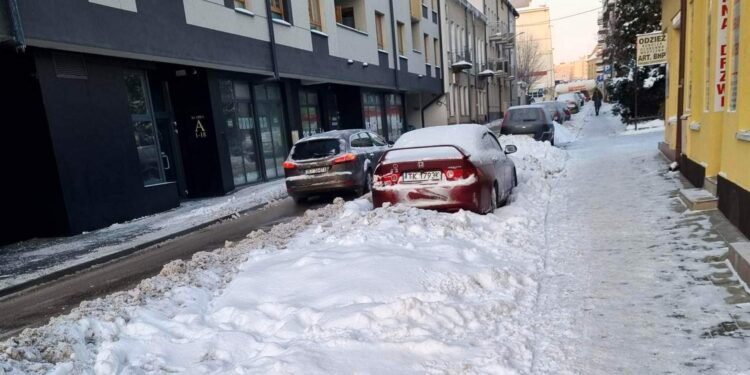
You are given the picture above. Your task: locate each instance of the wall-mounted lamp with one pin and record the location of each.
(350, 61)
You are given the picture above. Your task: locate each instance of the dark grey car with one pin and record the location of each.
(340, 160)
(531, 120)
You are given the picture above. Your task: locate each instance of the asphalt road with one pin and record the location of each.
(34, 306)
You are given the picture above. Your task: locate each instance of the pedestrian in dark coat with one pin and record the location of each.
(597, 97)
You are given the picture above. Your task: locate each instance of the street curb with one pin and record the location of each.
(13, 289)
(739, 257)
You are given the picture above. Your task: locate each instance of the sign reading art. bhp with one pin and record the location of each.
(651, 49)
(722, 52)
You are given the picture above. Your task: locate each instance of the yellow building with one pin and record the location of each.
(534, 23)
(715, 142)
(572, 71)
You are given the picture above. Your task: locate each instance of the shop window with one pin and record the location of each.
(394, 116)
(144, 126)
(271, 123)
(373, 112)
(309, 113)
(379, 21)
(735, 55)
(239, 115)
(316, 18)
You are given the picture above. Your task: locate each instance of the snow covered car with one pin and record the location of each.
(572, 101)
(532, 120)
(446, 168)
(340, 160)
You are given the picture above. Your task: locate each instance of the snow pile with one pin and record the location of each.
(392, 290)
(653, 126)
(466, 136)
(563, 135)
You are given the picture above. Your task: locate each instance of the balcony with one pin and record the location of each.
(459, 62)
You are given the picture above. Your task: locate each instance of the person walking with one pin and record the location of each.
(597, 97)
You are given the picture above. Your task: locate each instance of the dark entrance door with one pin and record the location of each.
(168, 134)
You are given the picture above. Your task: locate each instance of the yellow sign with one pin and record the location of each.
(651, 49)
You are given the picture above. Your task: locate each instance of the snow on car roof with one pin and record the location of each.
(466, 136)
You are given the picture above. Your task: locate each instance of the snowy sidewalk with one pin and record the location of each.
(594, 268)
(28, 261)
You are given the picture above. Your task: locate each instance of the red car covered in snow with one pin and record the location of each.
(446, 168)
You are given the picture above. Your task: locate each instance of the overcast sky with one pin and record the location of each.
(576, 36)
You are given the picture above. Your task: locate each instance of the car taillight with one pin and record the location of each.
(454, 174)
(387, 179)
(289, 165)
(345, 158)
(505, 119)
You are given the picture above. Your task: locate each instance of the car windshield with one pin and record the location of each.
(565, 97)
(525, 114)
(316, 148)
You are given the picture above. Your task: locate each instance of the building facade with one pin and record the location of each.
(715, 142)
(534, 21)
(123, 108)
(572, 71)
(479, 51)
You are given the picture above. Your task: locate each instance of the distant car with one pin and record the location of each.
(581, 98)
(532, 120)
(341, 160)
(555, 110)
(586, 95)
(572, 100)
(446, 168)
(565, 110)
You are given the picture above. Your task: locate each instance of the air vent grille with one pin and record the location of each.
(71, 66)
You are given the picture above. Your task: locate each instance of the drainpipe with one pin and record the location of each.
(19, 38)
(681, 87)
(442, 63)
(395, 47)
(272, 40)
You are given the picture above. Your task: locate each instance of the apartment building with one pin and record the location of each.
(713, 148)
(118, 109)
(479, 41)
(534, 21)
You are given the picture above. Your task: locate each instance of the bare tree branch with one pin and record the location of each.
(529, 61)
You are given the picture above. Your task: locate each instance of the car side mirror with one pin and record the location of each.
(510, 149)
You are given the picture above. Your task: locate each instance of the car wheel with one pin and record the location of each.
(299, 200)
(494, 200)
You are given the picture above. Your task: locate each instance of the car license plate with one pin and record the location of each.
(423, 176)
(316, 170)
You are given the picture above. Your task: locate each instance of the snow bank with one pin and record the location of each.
(344, 289)
(563, 135)
(653, 126)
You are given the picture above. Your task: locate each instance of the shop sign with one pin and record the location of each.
(200, 130)
(722, 52)
(651, 49)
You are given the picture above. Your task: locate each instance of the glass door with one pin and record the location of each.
(270, 113)
(241, 132)
(146, 135)
(167, 133)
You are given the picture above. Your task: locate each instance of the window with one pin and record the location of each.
(373, 112)
(316, 19)
(146, 135)
(242, 137)
(377, 140)
(394, 111)
(415, 37)
(242, 4)
(400, 28)
(351, 13)
(345, 16)
(436, 52)
(277, 10)
(309, 114)
(379, 29)
(426, 44)
(735, 55)
(707, 72)
(361, 140)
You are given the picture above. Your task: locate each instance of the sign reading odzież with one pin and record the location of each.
(651, 49)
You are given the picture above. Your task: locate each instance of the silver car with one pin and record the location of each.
(339, 160)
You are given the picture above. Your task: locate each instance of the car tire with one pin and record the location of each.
(299, 200)
(494, 199)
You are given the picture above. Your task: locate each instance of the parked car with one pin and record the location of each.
(581, 99)
(341, 160)
(446, 168)
(572, 101)
(555, 110)
(532, 120)
(565, 110)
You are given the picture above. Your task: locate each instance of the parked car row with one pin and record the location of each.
(447, 168)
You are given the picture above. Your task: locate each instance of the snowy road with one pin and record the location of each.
(595, 268)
